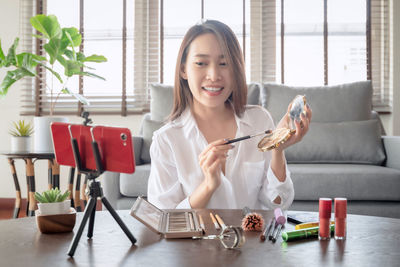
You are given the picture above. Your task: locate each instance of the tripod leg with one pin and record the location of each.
(118, 219)
(77, 236)
(92, 217)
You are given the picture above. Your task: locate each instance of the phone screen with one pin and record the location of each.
(116, 148)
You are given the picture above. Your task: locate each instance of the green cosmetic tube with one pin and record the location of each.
(303, 233)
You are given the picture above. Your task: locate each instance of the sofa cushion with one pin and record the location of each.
(149, 126)
(346, 102)
(162, 99)
(354, 181)
(253, 94)
(135, 184)
(344, 142)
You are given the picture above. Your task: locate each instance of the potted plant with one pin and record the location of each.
(54, 214)
(53, 201)
(60, 52)
(21, 136)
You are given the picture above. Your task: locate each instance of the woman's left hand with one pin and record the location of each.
(301, 126)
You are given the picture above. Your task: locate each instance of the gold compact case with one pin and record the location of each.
(279, 136)
(176, 223)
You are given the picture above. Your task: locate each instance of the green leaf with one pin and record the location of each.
(21, 128)
(11, 56)
(95, 58)
(46, 195)
(47, 25)
(64, 196)
(11, 78)
(70, 54)
(28, 62)
(77, 96)
(40, 37)
(58, 76)
(2, 56)
(74, 39)
(71, 43)
(55, 48)
(72, 68)
(89, 74)
(81, 99)
(40, 198)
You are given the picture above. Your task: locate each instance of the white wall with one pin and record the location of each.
(9, 28)
(9, 106)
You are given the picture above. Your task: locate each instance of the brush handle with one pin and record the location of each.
(238, 139)
(247, 137)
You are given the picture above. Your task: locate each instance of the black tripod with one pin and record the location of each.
(95, 191)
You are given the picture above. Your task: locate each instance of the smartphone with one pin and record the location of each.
(83, 136)
(62, 144)
(116, 148)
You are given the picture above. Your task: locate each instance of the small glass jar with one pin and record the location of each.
(340, 218)
(325, 209)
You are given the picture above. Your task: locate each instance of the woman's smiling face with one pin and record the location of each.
(207, 72)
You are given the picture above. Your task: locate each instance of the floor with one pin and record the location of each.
(7, 208)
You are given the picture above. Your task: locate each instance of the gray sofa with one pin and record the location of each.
(344, 154)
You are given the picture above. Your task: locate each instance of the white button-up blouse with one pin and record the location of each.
(248, 180)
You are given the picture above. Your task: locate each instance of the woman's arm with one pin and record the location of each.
(211, 160)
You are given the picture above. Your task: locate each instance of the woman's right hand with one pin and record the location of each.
(212, 160)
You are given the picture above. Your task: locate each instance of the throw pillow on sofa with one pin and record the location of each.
(357, 142)
(346, 102)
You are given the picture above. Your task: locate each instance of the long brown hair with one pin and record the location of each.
(232, 53)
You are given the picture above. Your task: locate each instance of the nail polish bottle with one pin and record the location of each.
(325, 208)
(340, 218)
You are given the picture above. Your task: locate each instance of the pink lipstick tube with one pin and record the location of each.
(340, 218)
(325, 208)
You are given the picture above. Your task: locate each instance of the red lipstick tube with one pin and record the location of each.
(325, 208)
(340, 218)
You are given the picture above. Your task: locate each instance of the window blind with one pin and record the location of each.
(263, 40)
(381, 65)
(135, 39)
(267, 47)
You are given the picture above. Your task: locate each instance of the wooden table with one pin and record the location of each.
(372, 241)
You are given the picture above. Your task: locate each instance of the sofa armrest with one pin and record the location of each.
(137, 147)
(392, 147)
(111, 187)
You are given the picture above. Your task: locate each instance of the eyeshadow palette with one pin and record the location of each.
(176, 223)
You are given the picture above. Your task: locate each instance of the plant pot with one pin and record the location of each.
(54, 208)
(20, 144)
(42, 134)
(58, 223)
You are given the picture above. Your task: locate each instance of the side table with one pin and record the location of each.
(30, 158)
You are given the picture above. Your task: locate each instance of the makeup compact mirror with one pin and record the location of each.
(281, 135)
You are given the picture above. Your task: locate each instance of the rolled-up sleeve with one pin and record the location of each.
(164, 188)
(273, 188)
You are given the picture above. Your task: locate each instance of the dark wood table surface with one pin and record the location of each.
(371, 241)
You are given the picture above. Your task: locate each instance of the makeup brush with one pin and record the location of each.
(247, 137)
(252, 221)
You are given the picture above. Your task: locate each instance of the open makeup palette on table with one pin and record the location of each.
(177, 223)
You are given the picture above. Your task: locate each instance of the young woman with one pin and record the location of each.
(191, 164)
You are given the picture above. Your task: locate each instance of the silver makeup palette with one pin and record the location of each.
(176, 223)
